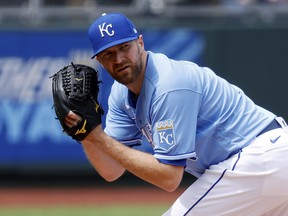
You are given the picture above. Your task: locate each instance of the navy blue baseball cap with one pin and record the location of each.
(110, 30)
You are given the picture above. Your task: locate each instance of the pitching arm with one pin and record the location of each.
(106, 166)
(141, 164)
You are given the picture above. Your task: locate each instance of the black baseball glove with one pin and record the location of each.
(75, 87)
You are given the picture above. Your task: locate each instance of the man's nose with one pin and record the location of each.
(118, 57)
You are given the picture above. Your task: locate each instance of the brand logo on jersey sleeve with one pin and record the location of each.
(165, 131)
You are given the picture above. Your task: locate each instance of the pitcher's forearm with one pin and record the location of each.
(106, 166)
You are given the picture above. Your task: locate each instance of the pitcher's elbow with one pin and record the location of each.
(171, 186)
(110, 176)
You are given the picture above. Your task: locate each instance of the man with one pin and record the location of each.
(195, 121)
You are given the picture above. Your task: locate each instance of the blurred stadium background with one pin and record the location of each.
(244, 41)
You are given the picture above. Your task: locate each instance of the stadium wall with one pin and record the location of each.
(31, 139)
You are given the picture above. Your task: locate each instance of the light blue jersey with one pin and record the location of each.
(191, 116)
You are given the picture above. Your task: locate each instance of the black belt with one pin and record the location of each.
(273, 125)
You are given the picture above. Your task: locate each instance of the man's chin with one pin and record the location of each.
(125, 80)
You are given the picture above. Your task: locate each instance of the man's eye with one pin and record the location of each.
(125, 46)
(106, 55)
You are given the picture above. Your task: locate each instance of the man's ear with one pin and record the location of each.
(141, 41)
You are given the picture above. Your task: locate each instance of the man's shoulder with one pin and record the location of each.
(167, 74)
(165, 67)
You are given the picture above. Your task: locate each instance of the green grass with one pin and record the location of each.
(107, 210)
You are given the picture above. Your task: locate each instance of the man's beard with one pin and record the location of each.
(131, 77)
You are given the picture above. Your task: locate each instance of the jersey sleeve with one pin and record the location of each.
(174, 126)
(120, 124)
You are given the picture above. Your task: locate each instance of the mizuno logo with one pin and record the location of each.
(82, 130)
(78, 79)
(275, 140)
(96, 106)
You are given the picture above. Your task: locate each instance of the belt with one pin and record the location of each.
(273, 125)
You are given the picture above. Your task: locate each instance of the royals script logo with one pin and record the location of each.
(106, 29)
(165, 131)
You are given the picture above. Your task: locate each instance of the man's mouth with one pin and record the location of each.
(122, 69)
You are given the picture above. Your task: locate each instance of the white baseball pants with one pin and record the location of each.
(253, 182)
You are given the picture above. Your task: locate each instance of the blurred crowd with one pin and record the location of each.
(21, 3)
(172, 2)
(247, 2)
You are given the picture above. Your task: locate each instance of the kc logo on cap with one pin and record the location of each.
(110, 30)
(105, 29)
